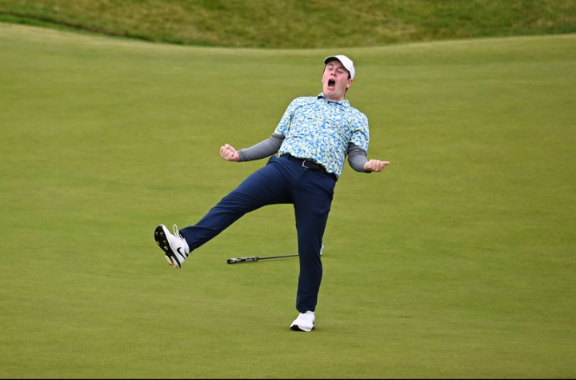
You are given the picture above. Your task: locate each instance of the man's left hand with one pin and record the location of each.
(375, 166)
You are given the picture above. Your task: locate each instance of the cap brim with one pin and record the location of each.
(329, 59)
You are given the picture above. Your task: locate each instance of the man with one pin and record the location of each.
(312, 139)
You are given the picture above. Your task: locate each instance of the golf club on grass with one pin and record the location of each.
(257, 258)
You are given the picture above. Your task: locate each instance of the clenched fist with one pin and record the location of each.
(228, 153)
(375, 165)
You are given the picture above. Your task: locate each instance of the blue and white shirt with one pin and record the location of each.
(320, 130)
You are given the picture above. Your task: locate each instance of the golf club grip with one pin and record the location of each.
(242, 260)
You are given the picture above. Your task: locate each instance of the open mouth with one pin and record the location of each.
(331, 83)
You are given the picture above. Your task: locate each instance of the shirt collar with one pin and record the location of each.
(344, 102)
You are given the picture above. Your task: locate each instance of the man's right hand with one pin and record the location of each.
(228, 153)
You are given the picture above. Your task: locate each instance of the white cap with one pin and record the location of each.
(345, 61)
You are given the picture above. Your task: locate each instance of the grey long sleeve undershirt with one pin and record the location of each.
(356, 156)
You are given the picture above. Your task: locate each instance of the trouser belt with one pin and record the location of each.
(310, 165)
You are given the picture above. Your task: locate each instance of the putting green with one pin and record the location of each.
(458, 261)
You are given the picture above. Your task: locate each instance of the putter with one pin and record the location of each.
(257, 258)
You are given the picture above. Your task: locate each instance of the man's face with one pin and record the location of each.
(335, 81)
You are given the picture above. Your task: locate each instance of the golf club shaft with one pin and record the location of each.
(275, 257)
(257, 258)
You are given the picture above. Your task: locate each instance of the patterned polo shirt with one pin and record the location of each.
(320, 130)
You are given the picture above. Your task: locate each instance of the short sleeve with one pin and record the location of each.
(361, 131)
(284, 125)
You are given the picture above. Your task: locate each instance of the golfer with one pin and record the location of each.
(312, 139)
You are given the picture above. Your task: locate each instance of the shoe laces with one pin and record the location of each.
(176, 231)
(308, 316)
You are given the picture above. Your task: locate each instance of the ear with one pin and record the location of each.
(349, 83)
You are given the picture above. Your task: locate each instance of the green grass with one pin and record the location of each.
(457, 262)
(298, 23)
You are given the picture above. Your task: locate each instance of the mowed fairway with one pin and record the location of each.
(458, 261)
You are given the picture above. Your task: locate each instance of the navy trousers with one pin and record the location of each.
(283, 180)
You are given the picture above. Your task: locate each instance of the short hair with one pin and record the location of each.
(349, 76)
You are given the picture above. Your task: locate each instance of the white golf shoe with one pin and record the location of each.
(174, 245)
(304, 322)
